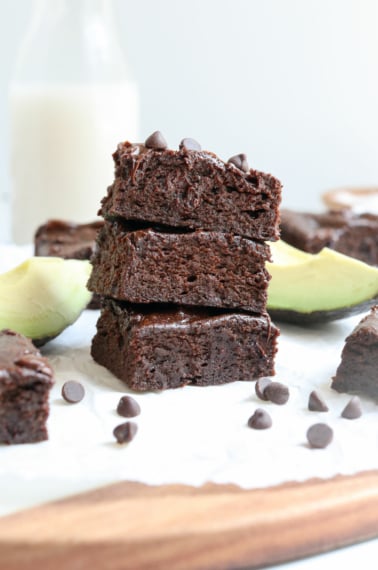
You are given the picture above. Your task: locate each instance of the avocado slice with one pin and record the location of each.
(307, 288)
(43, 295)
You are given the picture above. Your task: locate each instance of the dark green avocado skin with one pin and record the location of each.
(315, 317)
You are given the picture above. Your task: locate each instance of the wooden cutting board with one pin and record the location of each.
(138, 527)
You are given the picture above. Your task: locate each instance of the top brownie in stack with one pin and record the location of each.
(352, 234)
(193, 189)
(184, 231)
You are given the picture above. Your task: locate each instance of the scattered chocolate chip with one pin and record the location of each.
(156, 141)
(319, 435)
(128, 407)
(260, 386)
(277, 393)
(316, 403)
(73, 391)
(189, 144)
(260, 420)
(125, 432)
(240, 161)
(352, 410)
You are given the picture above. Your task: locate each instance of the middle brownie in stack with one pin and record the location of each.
(180, 264)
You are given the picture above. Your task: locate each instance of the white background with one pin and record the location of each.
(293, 83)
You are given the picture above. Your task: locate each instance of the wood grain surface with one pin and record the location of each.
(137, 527)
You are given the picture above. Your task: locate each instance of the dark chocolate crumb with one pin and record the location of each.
(260, 386)
(189, 144)
(277, 393)
(316, 403)
(124, 433)
(260, 420)
(319, 435)
(352, 410)
(73, 391)
(156, 141)
(240, 161)
(128, 407)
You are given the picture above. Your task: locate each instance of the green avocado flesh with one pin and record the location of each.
(324, 286)
(43, 296)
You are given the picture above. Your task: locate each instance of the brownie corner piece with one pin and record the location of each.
(357, 371)
(25, 382)
(164, 347)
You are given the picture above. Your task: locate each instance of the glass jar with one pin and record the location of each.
(72, 100)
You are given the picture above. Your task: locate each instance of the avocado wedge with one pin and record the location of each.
(307, 288)
(43, 296)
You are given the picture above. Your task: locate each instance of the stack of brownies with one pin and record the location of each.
(180, 267)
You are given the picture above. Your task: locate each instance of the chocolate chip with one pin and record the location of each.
(125, 432)
(240, 161)
(73, 391)
(189, 144)
(156, 141)
(352, 410)
(260, 386)
(128, 407)
(319, 435)
(277, 393)
(316, 403)
(260, 420)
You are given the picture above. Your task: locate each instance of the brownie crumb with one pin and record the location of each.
(319, 435)
(73, 392)
(128, 407)
(260, 420)
(352, 410)
(124, 433)
(316, 403)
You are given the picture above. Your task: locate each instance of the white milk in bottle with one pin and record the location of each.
(71, 101)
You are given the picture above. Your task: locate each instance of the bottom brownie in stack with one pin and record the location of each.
(154, 347)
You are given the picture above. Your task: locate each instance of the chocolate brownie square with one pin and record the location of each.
(357, 372)
(59, 238)
(25, 381)
(196, 268)
(159, 347)
(352, 234)
(192, 189)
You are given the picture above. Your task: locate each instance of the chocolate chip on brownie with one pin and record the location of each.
(240, 161)
(260, 420)
(352, 410)
(73, 391)
(156, 141)
(189, 144)
(277, 393)
(128, 407)
(319, 435)
(316, 403)
(260, 386)
(124, 433)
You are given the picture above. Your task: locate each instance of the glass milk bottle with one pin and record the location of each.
(71, 101)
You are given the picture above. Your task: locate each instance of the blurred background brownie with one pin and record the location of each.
(25, 382)
(60, 238)
(349, 233)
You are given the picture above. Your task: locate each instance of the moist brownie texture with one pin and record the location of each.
(153, 348)
(192, 189)
(357, 372)
(59, 238)
(195, 268)
(25, 381)
(352, 234)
